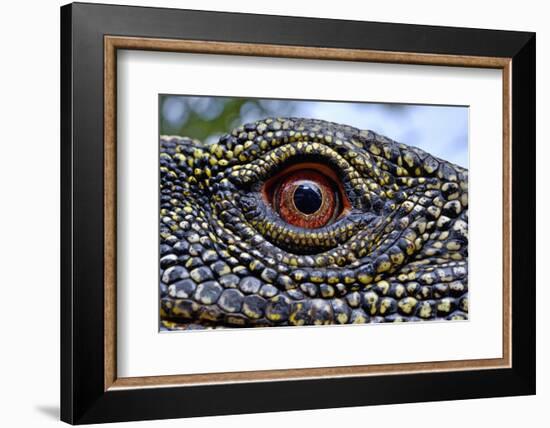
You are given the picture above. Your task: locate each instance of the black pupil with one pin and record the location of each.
(308, 197)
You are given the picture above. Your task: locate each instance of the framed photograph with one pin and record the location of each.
(265, 213)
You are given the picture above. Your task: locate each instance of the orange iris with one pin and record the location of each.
(306, 195)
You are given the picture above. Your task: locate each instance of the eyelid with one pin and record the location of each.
(253, 174)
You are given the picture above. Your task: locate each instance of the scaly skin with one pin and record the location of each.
(228, 260)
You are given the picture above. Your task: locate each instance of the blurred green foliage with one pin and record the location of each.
(206, 118)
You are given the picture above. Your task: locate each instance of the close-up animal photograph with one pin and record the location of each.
(295, 221)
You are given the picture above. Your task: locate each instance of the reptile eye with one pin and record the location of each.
(306, 195)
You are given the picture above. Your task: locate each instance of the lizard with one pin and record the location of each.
(297, 221)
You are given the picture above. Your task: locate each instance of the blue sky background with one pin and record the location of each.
(440, 130)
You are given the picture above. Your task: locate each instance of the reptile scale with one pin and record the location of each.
(291, 221)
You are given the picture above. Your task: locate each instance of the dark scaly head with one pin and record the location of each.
(294, 221)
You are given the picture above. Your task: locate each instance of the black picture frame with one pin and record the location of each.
(83, 396)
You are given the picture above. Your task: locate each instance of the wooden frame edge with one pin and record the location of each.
(507, 213)
(301, 52)
(109, 198)
(112, 43)
(299, 374)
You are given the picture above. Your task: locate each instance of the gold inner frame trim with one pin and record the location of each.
(113, 43)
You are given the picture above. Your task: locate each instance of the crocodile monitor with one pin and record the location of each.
(291, 221)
